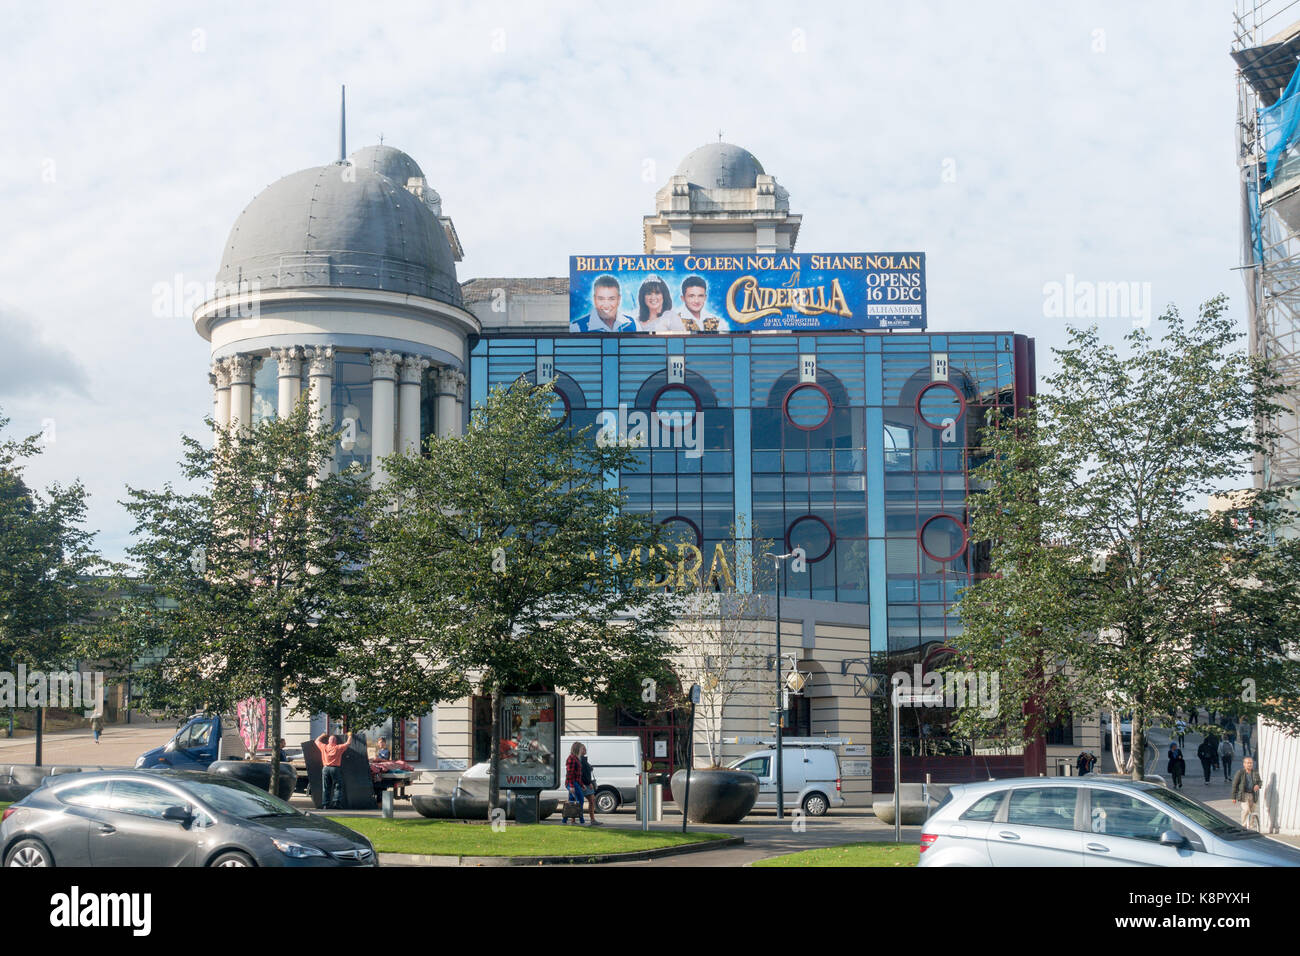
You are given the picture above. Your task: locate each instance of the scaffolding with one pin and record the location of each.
(1266, 48)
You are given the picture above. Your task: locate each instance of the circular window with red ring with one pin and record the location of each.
(807, 406)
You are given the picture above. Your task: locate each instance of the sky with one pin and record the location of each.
(1017, 144)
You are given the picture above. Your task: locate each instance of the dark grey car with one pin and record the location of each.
(169, 818)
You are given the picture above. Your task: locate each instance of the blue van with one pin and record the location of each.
(203, 739)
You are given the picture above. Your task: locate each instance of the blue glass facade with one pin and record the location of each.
(856, 447)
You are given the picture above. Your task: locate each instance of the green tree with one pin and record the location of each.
(243, 577)
(48, 565)
(503, 559)
(1106, 566)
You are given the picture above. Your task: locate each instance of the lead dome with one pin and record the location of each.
(348, 225)
(721, 166)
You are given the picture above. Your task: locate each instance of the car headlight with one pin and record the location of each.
(296, 850)
(139, 762)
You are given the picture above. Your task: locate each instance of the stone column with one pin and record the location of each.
(448, 418)
(459, 381)
(408, 417)
(383, 409)
(320, 370)
(220, 378)
(290, 379)
(241, 392)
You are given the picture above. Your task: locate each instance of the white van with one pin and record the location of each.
(811, 778)
(615, 766)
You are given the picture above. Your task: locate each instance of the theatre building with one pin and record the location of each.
(852, 441)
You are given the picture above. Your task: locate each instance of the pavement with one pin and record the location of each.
(118, 745)
(1215, 794)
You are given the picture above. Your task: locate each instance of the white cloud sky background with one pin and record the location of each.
(535, 121)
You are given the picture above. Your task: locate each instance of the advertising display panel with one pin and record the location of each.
(530, 739)
(807, 292)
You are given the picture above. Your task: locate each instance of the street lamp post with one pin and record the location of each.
(780, 690)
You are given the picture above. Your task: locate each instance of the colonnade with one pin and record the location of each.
(396, 380)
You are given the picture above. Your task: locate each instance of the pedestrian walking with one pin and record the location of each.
(1081, 764)
(1245, 790)
(1181, 726)
(1177, 765)
(1212, 739)
(97, 725)
(573, 778)
(1205, 755)
(589, 785)
(1245, 741)
(1193, 715)
(331, 773)
(1226, 753)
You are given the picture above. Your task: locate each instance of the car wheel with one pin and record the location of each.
(29, 853)
(232, 859)
(606, 801)
(815, 805)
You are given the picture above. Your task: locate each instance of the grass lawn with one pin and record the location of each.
(851, 854)
(3, 804)
(455, 838)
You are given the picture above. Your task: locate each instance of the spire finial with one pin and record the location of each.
(343, 124)
(719, 135)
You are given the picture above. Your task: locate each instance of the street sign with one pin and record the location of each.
(918, 700)
(855, 768)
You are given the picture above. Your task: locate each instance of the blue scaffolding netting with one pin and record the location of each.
(1277, 123)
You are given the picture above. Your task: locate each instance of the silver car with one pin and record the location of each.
(169, 818)
(1087, 821)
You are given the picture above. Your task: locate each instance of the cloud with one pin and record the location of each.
(136, 133)
(30, 366)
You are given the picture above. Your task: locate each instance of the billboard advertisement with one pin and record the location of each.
(807, 292)
(530, 737)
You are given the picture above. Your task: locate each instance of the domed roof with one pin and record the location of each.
(721, 166)
(341, 225)
(387, 161)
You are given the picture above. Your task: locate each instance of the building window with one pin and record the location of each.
(266, 390)
(807, 406)
(352, 409)
(1061, 733)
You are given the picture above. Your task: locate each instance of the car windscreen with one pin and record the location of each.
(238, 799)
(1215, 822)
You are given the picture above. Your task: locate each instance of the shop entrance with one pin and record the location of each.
(662, 729)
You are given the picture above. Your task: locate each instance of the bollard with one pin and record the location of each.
(386, 800)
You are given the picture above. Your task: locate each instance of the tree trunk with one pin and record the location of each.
(1138, 747)
(273, 737)
(1117, 743)
(494, 758)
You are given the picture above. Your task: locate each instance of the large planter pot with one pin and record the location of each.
(717, 796)
(258, 774)
(461, 805)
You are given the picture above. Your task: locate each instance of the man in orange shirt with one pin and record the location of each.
(331, 777)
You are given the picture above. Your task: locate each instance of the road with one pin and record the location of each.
(119, 745)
